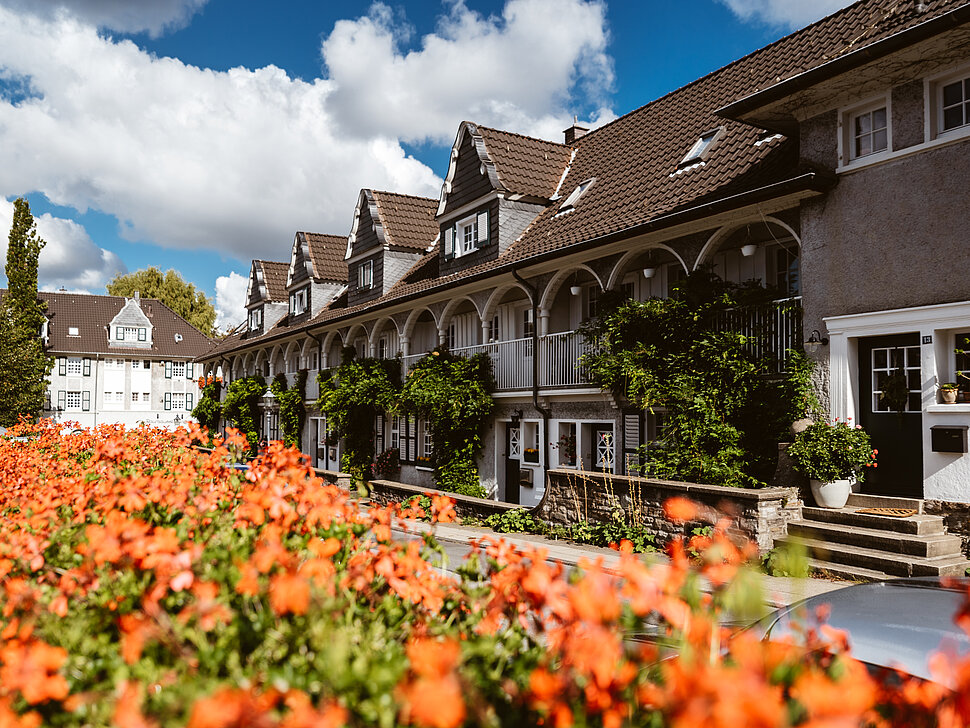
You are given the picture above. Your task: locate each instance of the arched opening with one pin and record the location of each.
(333, 347)
(291, 358)
(278, 362)
(421, 331)
(765, 250)
(461, 326)
(508, 315)
(357, 338)
(570, 298)
(649, 272)
(385, 341)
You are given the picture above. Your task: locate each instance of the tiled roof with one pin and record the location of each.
(274, 275)
(525, 165)
(408, 221)
(635, 159)
(327, 255)
(92, 314)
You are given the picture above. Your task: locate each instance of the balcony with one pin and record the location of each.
(772, 329)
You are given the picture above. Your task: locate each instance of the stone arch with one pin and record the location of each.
(412, 319)
(378, 329)
(721, 234)
(555, 283)
(498, 294)
(620, 268)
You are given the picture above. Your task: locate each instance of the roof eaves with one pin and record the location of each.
(881, 48)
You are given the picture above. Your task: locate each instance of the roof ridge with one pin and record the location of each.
(321, 235)
(403, 194)
(523, 136)
(735, 62)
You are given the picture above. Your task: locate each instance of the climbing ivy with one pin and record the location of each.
(208, 411)
(241, 407)
(351, 397)
(292, 407)
(724, 409)
(454, 397)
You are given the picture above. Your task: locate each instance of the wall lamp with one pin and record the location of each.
(516, 417)
(815, 340)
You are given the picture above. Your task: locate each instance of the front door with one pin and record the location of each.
(513, 456)
(897, 435)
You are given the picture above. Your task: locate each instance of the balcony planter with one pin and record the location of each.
(530, 455)
(948, 393)
(831, 494)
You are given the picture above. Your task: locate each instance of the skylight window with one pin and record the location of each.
(574, 196)
(702, 147)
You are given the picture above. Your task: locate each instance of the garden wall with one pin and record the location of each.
(387, 491)
(956, 516)
(760, 515)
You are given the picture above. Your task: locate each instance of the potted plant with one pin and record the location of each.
(833, 456)
(531, 455)
(948, 392)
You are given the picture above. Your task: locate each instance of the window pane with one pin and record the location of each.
(953, 117)
(879, 141)
(863, 146)
(881, 380)
(879, 358)
(914, 402)
(952, 94)
(879, 118)
(863, 124)
(912, 357)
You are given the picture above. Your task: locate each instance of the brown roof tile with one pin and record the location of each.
(525, 165)
(91, 315)
(408, 221)
(274, 274)
(327, 255)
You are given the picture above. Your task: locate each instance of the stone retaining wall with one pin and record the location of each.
(387, 491)
(956, 516)
(760, 515)
(341, 480)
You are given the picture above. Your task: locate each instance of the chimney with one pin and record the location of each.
(575, 131)
(137, 298)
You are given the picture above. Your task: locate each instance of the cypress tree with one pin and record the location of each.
(23, 364)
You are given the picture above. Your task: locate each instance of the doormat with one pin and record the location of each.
(892, 512)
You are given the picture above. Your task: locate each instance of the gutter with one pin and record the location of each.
(871, 52)
(544, 411)
(811, 181)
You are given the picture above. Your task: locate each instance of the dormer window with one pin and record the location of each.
(702, 147)
(298, 302)
(467, 235)
(255, 319)
(570, 202)
(73, 331)
(131, 333)
(365, 275)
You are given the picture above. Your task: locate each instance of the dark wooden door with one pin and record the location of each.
(896, 435)
(513, 455)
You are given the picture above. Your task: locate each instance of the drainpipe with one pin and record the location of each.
(546, 413)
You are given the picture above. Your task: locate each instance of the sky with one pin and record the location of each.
(200, 134)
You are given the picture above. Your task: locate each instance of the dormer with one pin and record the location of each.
(390, 233)
(497, 183)
(266, 296)
(130, 328)
(317, 273)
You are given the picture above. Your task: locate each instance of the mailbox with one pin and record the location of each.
(949, 438)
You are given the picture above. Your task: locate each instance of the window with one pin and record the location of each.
(892, 362)
(382, 348)
(365, 275)
(74, 400)
(963, 360)
(450, 342)
(142, 334)
(119, 333)
(74, 365)
(592, 300)
(178, 400)
(255, 318)
(178, 368)
(566, 447)
(702, 147)
(426, 445)
(570, 202)
(869, 132)
(604, 450)
(527, 323)
(493, 329)
(394, 440)
(134, 396)
(787, 274)
(72, 331)
(298, 302)
(147, 364)
(467, 235)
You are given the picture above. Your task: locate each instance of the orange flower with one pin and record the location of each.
(289, 594)
(32, 668)
(433, 697)
(679, 510)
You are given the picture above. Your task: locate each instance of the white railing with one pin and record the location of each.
(409, 361)
(771, 328)
(560, 359)
(312, 385)
(511, 362)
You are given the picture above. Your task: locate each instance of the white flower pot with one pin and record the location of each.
(833, 494)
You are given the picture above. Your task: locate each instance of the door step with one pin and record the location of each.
(864, 500)
(874, 559)
(921, 525)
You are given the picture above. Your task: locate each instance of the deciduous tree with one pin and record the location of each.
(169, 288)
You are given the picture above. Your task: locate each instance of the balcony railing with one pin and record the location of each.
(560, 357)
(511, 362)
(771, 328)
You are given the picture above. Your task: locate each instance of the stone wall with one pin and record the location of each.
(759, 515)
(387, 491)
(956, 516)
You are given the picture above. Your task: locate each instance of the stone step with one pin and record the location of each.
(876, 560)
(865, 500)
(926, 546)
(843, 571)
(921, 525)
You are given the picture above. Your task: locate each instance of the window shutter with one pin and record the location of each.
(412, 439)
(189, 401)
(142, 334)
(168, 370)
(62, 367)
(168, 399)
(379, 435)
(87, 367)
(449, 243)
(86, 401)
(483, 230)
(631, 442)
(61, 398)
(119, 333)
(189, 368)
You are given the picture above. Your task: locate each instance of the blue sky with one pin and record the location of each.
(198, 134)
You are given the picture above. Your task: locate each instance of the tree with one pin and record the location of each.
(169, 288)
(23, 364)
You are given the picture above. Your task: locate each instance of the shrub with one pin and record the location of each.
(832, 451)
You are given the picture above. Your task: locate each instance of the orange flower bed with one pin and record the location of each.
(144, 583)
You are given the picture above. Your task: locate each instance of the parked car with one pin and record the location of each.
(897, 623)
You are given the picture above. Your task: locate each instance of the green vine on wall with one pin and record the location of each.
(208, 411)
(725, 410)
(351, 397)
(292, 407)
(241, 407)
(454, 397)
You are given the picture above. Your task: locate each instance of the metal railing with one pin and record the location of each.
(560, 357)
(771, 328)
(511, 362)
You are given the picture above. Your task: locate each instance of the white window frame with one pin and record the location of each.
(573, 199)
(467, 235)
(73, 400)
(73, 331)
(74, 367)
(178, 369)
(846, 128)
(255, 318)
(365, 275)
(933, 105)
(702, 147)
(178, 400)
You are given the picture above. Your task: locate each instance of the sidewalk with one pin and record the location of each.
(779, 591)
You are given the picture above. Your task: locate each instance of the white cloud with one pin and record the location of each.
(230, 300)
(126, 16)
(520, 71)
(70, 258)
(787, 13)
